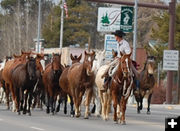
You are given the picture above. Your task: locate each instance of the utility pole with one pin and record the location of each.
(135, 30)
(172, 14)
(39, 27)
(61, 28)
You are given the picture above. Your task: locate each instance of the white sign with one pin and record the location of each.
(171, 60)
(108, 19)
(109, 44)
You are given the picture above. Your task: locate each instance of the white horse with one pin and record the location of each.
(105, 96)
(98, 62)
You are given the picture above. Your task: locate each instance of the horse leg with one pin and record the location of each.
(30, 102)
(59, 103)
(114, 98)
(17, 100)
(13, 97)
(25, 101)
(149, 102)
(72, 104)
(88, 100)
(123, 109)
(48, 103)
(108, 105)
(52, 104)
(98, 106)
(7, 96)
(65, 104)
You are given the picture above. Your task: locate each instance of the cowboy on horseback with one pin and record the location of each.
(123, 47)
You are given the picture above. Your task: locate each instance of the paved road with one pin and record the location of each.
(40, 121)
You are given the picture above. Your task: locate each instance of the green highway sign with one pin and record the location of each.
(126, 19)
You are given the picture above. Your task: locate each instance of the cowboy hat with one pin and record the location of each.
(119, 33)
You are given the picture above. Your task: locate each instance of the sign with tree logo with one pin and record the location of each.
(126, 19)
(108, 19)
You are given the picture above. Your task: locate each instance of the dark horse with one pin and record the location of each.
(121, 86)
(147, 82)
(24, 78)
(51, 81)
(64, 84)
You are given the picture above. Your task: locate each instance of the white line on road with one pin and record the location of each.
(36, 128)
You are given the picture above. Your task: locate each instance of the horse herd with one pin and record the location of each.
(30, 82)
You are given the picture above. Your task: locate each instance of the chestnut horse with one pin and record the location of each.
(64, 84)
(6, 74)
(79, 79)
(51, 81)
(23, 79)
(147, 82)
(121, 86)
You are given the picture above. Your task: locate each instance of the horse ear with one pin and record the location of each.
(104, 51)
(71, 56)
(121, 53)
(79, 58)
(85, 52)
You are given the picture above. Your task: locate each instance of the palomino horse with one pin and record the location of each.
(23, 79)
(51, 81)
(147, 82)
(64, 84)
(6, 74)
(104, 95)
(80, 80)
(121, 86)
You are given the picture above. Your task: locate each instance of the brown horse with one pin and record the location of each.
(23, 79)
(6, 74)
(51, 81)
(79, 78)
(64, 84)
(121, 86)
(38, 92)
(147, 82)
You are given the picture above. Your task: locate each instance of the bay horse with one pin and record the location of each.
(38, 91)
(23, 79)
(51, 81)
(147, 82)
(6, 74)
(121, 86)
(79, 79)
(64, 84)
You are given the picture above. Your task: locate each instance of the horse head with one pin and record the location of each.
(125, 62)
(150, 65)
(88, 62)
(99, 60)
(75, 59)
(56, 64)
(40, 63)
(31, 68)
(114, 54)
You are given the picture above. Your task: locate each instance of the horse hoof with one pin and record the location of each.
(123, 123)
(47, 111)
(148, 112)
(115, 122)
(138, 112)
(24, 112)
(86, 117)
(65, 111)
(29, 113)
